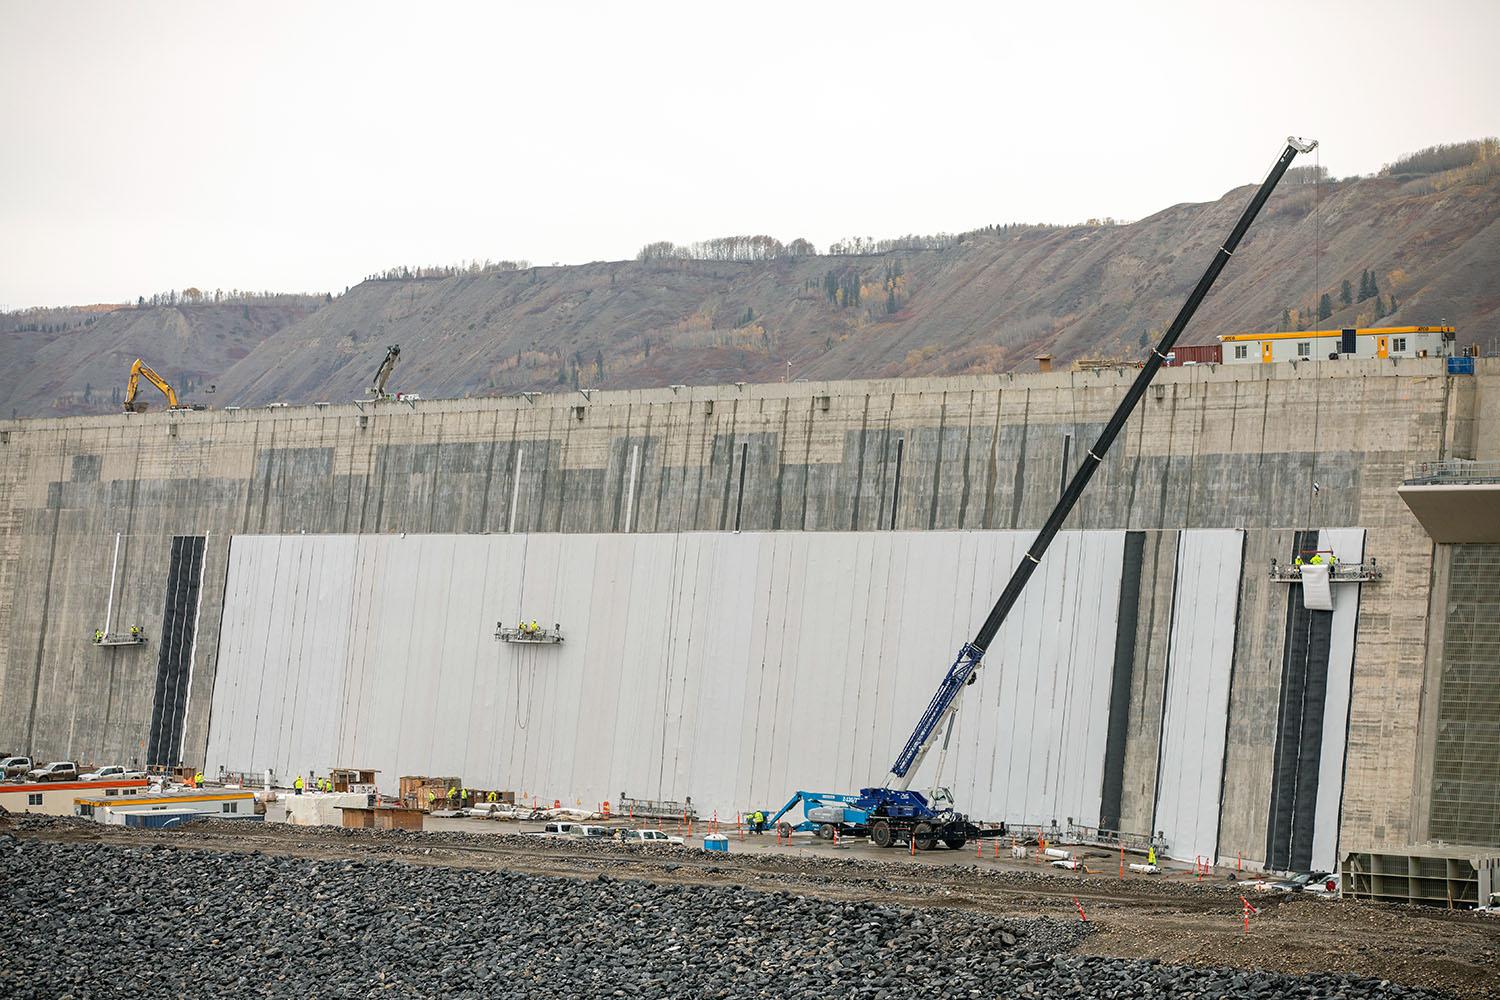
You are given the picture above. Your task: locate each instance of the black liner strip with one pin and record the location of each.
(184, 577)
(1119, 691)
(1299, 731)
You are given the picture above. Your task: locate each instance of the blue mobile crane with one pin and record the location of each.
(893, 813)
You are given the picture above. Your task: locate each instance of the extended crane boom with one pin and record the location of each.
(964, 668)
(383, 373)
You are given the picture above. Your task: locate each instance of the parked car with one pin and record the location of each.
(592, 832)
(58, 770)
(1326, 885)
(15, 767)
(112, 772)
(647, 837)
(1319, 883)
(559, 829)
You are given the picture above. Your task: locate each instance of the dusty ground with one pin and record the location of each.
(1176, 920)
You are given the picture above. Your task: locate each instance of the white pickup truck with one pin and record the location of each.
(647, 837)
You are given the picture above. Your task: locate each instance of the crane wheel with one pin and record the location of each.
(784, 829)
(956, 842)
(825, 831)
(880, 833)
(922, 834)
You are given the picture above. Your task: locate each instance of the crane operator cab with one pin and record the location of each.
(383, 373)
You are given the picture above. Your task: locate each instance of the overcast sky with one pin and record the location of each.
(300, 146)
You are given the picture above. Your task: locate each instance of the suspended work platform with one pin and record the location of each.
(1343, 572)
(1318, 571)
(526, 633)
(136, 638)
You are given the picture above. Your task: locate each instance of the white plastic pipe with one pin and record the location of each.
(515, 490)
(635, 454)
(109, 609)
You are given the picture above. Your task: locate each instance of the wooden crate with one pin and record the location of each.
(391, 818)
(356, 818)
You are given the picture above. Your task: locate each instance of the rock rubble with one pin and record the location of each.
(94, 920)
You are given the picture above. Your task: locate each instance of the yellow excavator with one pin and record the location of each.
(139, 370)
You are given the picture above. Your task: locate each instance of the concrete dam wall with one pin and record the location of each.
(135, 518)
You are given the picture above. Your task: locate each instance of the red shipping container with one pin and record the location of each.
(1203, 354)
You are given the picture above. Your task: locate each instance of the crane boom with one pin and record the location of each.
(970, 657)
(383, 373)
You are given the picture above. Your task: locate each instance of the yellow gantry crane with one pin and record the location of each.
(137, 371)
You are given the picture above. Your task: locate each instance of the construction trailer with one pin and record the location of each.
(1321, 345)
(227, 804)
(56, 798)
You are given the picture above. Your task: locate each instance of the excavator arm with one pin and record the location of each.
(137, 371)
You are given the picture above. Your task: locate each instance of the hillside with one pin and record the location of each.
(989, 302)
(62, 361)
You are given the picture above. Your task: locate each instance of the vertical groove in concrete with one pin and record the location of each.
(937, 466)
(859, 474)
(1018, 482)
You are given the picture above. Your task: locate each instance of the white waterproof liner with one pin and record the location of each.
(734, 668)
(1317, 591)
(1348, 544)
(1200, 656)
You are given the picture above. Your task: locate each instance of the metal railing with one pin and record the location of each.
(1343, 572)
(655, 809)
(1453, 472)
(1091, 836)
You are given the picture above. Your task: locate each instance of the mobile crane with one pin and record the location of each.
(893, 811)
(383, 373)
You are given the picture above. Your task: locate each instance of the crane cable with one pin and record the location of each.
(1317, 231)
(526, 656)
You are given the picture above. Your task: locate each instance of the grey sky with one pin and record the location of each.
(300, 146)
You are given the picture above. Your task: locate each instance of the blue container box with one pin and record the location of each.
(1461, 366)
(716, 842)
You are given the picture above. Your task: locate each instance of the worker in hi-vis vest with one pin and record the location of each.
(298, 784)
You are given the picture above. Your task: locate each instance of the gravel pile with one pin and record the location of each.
(88, 920)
